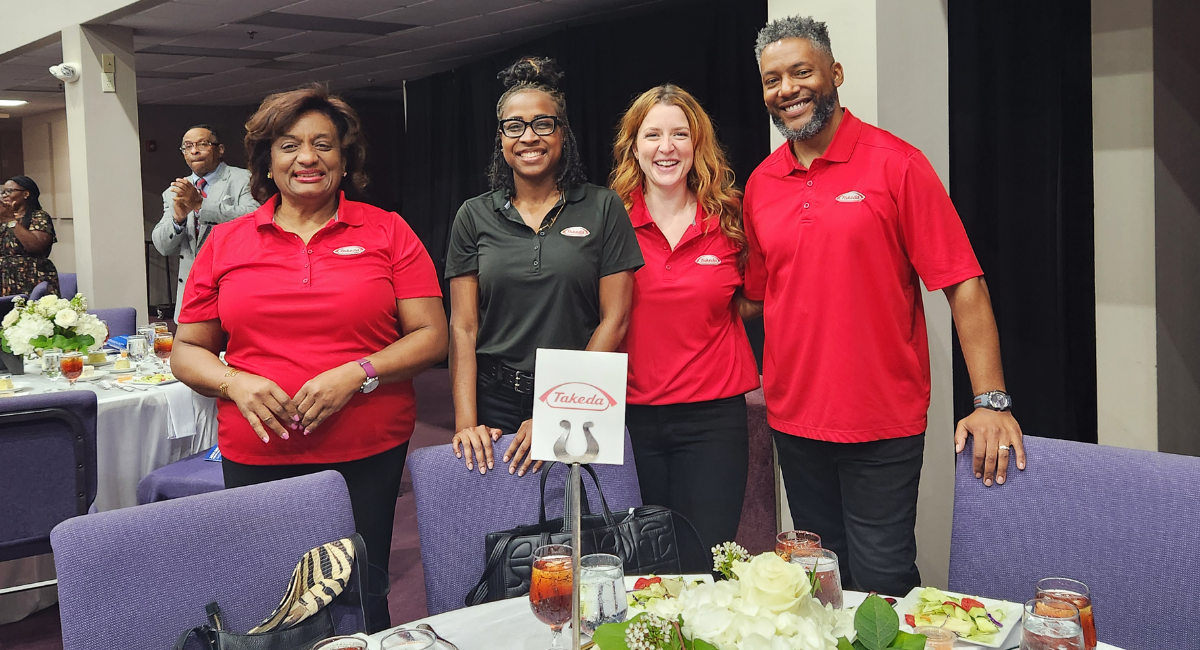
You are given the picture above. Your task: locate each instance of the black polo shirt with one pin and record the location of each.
(540, 289)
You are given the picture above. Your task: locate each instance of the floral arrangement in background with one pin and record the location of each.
(766, 603)
(50, 322)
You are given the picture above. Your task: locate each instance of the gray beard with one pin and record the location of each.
(822, 112)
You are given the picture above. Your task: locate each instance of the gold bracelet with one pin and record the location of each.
(224, 387)
(232, 371)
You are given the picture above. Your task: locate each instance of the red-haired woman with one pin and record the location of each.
(690, 363)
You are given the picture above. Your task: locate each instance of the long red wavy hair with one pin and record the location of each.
(710, 178)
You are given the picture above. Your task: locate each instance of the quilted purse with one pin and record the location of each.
(302, 617)
(648, 539)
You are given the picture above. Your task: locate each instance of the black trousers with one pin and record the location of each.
(501, 407)
(693, 459)
(374, 484)
(861, 498)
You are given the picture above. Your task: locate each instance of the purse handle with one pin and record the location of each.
(584, 505)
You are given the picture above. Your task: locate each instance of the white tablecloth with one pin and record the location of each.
(511, 625)
(135, 435)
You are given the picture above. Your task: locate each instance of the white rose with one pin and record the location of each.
(10, 318)
(48, 300)
(66, 317)
(62, 304)
(771, 583)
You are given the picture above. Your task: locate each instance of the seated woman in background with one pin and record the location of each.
(326, 308)
(544, 260)
(26, 236)
(690, 363)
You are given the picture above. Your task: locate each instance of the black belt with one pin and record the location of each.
(506, 376)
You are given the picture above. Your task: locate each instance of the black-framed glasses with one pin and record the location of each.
(7, 191)
(203, 144)
(514, 127)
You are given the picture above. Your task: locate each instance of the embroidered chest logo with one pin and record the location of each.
(850, 197)
(349, 250)
(708, 260)
(575, 231)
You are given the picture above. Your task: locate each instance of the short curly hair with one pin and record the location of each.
(813, 31)
(279, 112)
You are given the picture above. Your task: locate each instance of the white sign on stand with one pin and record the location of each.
(579, 406)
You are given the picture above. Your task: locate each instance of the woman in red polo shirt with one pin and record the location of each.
(326, 309)
(690, 363)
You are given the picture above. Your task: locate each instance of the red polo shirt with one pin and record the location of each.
(292, 311)
(685, 340)
(836, 252)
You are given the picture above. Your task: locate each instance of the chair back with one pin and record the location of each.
(40, 290)
(1122, 521)
(47, 467)
(146, 573)
(68, 285)
(122, 321)
(457, 508)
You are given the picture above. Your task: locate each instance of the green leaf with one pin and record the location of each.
(701, 644)
(876, 623)
(611, 636)
(906, 641)
(858, 645)
(843, 644)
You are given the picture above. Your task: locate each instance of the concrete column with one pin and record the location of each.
(901, 83)
(106, 189)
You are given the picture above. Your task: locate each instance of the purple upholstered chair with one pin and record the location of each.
(1122, 521)
(47, 467)
(146, 573)
(183, 478)
(456, 509)
(122, 321)
(68, 285)
(40, 290)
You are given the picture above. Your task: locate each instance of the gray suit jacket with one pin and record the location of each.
(228, 198)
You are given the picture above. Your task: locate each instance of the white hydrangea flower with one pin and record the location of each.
(66, 317)
(62, 304)
(10, 318)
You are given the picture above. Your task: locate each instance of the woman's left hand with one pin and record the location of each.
(326, 394)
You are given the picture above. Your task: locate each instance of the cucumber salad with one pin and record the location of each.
(965, 616)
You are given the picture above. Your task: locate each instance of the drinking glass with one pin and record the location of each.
(550, 588)
(601, 591)
(136, 347)
(408, 639)
(50, 359)
(1076, 593)
(147, 333)
(160, 327)
(342, 643)
(937, 638)
(829, 580)
(788, 540)
(72, 366)
(1051, 624)
(162, 348)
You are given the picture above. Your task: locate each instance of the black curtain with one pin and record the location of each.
(705, 47)
(1021, 177)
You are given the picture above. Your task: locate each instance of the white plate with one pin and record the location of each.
(18, 387)
(151, 383)
(113, 371)
(98, 374)
(1012, 616)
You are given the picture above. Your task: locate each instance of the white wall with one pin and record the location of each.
(27, 23)
(48, 163)
(1123, 168)
(900, 83)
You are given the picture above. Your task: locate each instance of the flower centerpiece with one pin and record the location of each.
(50, 322)
(765, 603)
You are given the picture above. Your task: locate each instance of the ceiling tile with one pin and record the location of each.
(261, 33)
(436, 12)
(206, 39)
(147, 61)
(321, 23)
(356, 9)
(317, 60)
(307, 42)
(182, 50)
(206, 65)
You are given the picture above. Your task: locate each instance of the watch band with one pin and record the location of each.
(366, 365)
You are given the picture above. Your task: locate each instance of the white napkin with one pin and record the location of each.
(179, 407)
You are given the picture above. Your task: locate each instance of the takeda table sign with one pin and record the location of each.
(579, 406)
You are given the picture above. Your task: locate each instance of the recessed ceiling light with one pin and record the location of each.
(13, 102)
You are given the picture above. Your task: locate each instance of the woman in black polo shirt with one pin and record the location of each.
(544, 260)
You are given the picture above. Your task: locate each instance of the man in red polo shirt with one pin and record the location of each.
(844, 221)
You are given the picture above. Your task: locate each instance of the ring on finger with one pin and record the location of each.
(268, 419)
(1003, 447)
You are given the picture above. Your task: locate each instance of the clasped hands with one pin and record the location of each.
(187, 199)
(267, 407)
(478, 441)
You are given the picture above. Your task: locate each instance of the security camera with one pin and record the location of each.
(65, 71)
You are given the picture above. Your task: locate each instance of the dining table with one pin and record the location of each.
(138, 430)
(511, 625)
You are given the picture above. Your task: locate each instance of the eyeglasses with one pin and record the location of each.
(9, 191)
(514, 127)
(203, 144)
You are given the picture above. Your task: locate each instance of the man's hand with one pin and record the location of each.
(996, 433)
(187, 194)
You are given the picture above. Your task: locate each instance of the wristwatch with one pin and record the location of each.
(371, 382)
(996, 400)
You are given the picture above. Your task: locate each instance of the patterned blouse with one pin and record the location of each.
(20, 270)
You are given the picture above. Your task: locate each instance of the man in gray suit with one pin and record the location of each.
(214, 193)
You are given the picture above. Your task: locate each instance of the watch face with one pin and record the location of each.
(999, 400)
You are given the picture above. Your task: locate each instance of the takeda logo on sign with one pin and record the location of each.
(576, 231)
(578, 396)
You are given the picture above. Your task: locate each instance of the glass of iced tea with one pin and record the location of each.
(160, 327)
(790, 540)
(824, 563)
(162, 346)
(71, 365)
(1051, 624)
(550, 588)
(1076, 593)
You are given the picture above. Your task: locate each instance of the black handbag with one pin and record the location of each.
(302, 636)
(648, 539)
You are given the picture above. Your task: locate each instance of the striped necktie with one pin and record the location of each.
(200, 183)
